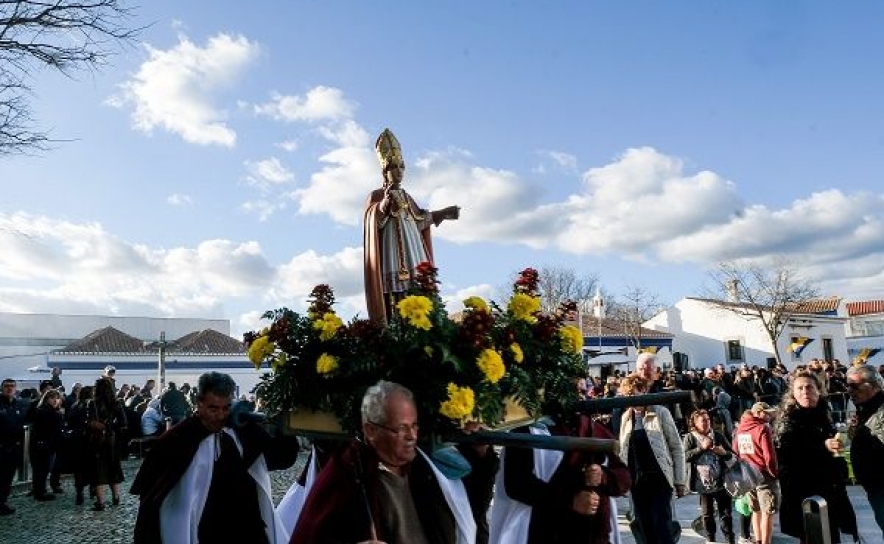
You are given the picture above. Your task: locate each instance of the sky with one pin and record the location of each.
(218, 166)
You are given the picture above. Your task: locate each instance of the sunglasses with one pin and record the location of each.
(854, 386)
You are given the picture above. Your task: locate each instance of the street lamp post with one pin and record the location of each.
(161, 364)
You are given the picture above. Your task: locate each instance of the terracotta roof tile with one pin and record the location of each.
(106, 340)
(111, 340)
(817, 306)
(865, 307)
(616, 329)
(207, 341)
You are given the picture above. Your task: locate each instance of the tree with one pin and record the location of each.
(632, 308)
(771, 294)
(557, 285)
(64, 35)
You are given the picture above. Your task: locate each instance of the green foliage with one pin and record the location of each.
(492, 351)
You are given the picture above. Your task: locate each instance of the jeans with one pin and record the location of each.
(708, 502)
(876, 500)
(10, 459)
(652, 507)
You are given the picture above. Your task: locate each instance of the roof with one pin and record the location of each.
(820, 306)
(106, 340)
(613, 328)
(111, 340)
(865, 307)
(206, 341)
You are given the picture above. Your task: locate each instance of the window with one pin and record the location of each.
(828, 350)
(734, 351)
(875, 328)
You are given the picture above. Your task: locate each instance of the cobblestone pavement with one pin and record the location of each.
(61, 521)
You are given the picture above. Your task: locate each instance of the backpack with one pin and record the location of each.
(708, 469)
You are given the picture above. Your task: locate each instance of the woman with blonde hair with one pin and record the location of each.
(804, 437)
(652, 449)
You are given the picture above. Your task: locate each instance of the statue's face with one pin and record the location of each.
(394, 172)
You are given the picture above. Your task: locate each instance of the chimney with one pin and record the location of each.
(732, 291)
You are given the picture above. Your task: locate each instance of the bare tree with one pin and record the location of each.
(560, 284)
(64, 35)
(771, 294)
(632, 308)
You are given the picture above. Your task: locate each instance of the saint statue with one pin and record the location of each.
(396, 233)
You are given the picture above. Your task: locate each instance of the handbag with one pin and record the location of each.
(742, 478)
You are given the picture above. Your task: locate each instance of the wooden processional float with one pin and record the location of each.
(322, 425)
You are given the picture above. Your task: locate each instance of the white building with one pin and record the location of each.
(709, 334)
(81, 346)
(865, 333)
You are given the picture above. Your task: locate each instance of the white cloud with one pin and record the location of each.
(288, 145)
(320, 104)
(564, 161)
(268, 172)
(343, 271)
(173, 89)
(178, 199)
(265, 208)
(349, 173)
(53, 265)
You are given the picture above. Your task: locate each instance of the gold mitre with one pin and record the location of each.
(387, 148)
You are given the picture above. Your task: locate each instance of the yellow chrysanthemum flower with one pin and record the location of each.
(260, 349)
(491, 364)
(476, 303)
(523, 307)
(416, 310)
(518, 354)
(572, 339)
(460, 404)
(326, 364)
(328, 326)
(280, 361)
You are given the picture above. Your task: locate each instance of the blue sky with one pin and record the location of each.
(218, 167)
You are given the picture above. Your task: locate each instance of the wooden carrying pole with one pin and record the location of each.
(543, 442)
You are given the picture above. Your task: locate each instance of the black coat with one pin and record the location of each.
(171, 455)
(806, 467)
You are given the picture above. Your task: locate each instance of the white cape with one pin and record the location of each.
(182, 508)
(510, 518)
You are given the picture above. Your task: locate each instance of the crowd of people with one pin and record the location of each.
(83, 434)
(207, 467)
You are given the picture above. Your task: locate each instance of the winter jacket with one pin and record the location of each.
(665, 442)
(867, 448)
(753, 441)
(693, 451)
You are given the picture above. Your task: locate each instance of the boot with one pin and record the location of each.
(98, 506)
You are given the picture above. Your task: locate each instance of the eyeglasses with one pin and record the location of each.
(853, 386)
(399, 431)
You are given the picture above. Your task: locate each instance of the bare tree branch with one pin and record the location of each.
(559, 284)
(770, 294)
(65, 35)
(632, 308)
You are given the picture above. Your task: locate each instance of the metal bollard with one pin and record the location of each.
(816, 520)
(24, 469)
(168, 421)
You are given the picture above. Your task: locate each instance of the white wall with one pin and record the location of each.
(27, 339)
(701, 331)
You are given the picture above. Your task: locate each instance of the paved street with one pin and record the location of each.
(60, 520)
